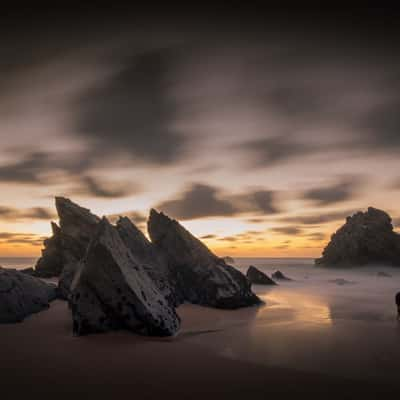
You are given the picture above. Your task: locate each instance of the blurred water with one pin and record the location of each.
(17, 262)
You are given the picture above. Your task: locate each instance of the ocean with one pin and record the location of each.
(17, 262)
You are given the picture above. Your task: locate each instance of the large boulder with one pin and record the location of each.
(152, 260)
(22, 295)
(111, 290)
(365, 238)
(68, 245)
(258, 277)
(201, 277)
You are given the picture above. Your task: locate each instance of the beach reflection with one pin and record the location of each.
(295, 306)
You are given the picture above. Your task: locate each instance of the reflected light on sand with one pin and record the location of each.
(301, 307)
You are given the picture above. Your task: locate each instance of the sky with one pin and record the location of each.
(260, 130)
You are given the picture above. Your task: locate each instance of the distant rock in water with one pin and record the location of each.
(257, 277)
(111, 290)
(229, 260)
(201, 277)
(22, 295)
(383, 274)
(365, 238)
(278, 275)
(341, 282)
(68, 245)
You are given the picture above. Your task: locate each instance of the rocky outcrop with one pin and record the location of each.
(278, 275)
(365, 238)
(152, 261)
(112, 290)
(229, 260)
(257, 277)
(68, 245)
(201, 277)
(22, 295)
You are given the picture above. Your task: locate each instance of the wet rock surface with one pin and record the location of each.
(366, 238)
(22, 295)
(258, 277)
(201, 277)
(111, 290)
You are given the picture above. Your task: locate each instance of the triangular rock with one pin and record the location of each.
(147, 255)
(258, 277)
(111, 290)
(202, 277)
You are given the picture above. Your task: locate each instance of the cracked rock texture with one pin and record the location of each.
(111, 290)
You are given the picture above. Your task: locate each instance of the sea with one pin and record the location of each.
(325, 320)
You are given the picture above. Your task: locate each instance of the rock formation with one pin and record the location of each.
(201, 277)
(68, 245)
(152, 261)
(22, 295)
(365, 238)
(278, 275)
(111, 290)
(257, 277)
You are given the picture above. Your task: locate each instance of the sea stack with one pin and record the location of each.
(22, 295)
(69, 242)
(111, 290)
(258, 277)
(201, 276)
(365, 238)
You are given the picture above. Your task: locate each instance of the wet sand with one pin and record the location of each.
(41, 359)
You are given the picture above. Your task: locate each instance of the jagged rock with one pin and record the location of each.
(278, 275)
(22, 295)
(201, 276)
(68, 245)
(152, 261)
(257, 277)
(111, 290)
(365, 238)
(383, 274)
(229, 260)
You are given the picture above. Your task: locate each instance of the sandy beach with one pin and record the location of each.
(301, 342)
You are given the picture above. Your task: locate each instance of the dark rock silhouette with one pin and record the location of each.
(68, 245)
(365, 238)
(342, 282)
(111, 290)
(383, 274)
(22, 295)
(201, 277)
(229, 260)
(152, 261)
(278, 275)
(257, 277)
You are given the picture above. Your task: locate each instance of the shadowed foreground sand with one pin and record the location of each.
(40, 357)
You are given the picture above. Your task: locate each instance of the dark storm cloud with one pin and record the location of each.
(94, 187)
(131, 112)
(26, 170)
(201, 201)
(198, 201)
(339, 192)
(35, 213)
(275, 149)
